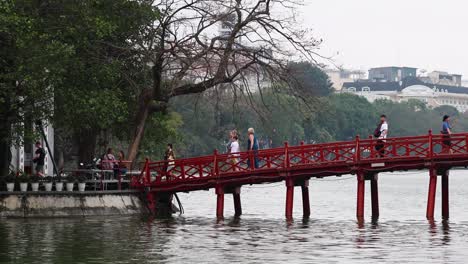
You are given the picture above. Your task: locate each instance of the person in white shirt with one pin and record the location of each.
(381, 135)
(234, 148)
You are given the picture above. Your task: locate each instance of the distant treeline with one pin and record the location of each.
(279, 117)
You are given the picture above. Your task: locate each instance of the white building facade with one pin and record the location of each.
(433, 97)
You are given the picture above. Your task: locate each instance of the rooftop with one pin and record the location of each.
(406, 82)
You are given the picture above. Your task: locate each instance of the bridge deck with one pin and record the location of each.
(297, 164)
(304, 161)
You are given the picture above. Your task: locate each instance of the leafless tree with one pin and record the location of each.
(196, 45)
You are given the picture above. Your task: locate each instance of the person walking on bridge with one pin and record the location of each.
(233, 149)
(169, 162)
(252, 147)
(381, 133)
(446, 132)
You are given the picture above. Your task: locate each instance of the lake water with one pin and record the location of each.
(261, 235)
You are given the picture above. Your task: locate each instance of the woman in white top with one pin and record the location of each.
(234, 148)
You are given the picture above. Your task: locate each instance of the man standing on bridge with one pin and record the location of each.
(381, 133)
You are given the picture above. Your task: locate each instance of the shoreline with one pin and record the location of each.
(70, 204)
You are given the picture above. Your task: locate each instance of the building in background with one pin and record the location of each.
(340, 76)
(391, 74)
(432, 95)
(444, 78)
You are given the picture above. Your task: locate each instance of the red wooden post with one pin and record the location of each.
(286, 154)
(182, 169)
(431, 145)
(251, 160)
(120, 180)
(375, 197)
(147, 172)
(305, 199)
(303, 159)
(445, 195)
(200, 170)
(371, 147)
(357, 151)
(215, 163)
(220, 202)
(101, 184)
(360, 195)
(466, 142)
(431, 194)
(289, 198)
(237, 201)
(151, 201)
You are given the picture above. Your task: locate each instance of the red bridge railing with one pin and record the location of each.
(349, 153)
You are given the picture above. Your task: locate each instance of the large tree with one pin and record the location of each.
(187, 53)
(309, 79)
(92, 98)
(28, 68)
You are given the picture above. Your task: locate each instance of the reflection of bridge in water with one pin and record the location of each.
(295, 165)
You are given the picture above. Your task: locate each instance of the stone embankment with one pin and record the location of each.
(64, 204)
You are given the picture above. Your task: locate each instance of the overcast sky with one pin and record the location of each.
(426, 34)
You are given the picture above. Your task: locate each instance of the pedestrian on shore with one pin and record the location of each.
(234, 149)
(381, 133)
(120, 168)
(446, 132)
(252, 146)
(39, 159)
(108, 160)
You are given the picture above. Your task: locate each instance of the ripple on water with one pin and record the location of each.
(259, 236)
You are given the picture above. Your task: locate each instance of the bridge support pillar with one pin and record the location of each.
(445, 194)
(289, 198)
(305, 199)
(237, 201)
(151, 201)
(360, 195)
(220, 202)
(374, 196)
(431, 194)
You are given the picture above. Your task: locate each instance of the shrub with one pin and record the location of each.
(81, 178)
(49, 179)
(23, 178)
(70, 178)
(35, 178)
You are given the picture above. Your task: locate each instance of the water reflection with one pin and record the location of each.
(191, 240)
(262, 235)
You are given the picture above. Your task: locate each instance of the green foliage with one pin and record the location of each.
(81, 178)
(49, 179)
(309, 79)
(70, 179)
(160, 130)
(24, 178)
(35, 178)
(10, 178)
(280, 117)
(67, 62)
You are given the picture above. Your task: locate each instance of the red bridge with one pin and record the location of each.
(295, 165)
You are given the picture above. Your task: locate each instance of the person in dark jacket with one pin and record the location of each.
(39, 159)
(252, 145)
(446, 131)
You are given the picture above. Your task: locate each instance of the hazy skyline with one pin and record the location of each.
(361, 34)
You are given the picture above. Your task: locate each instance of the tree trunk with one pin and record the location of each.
(86, 140)
(5, 155)
(5, 140)
(140, 122)
(145, 108)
